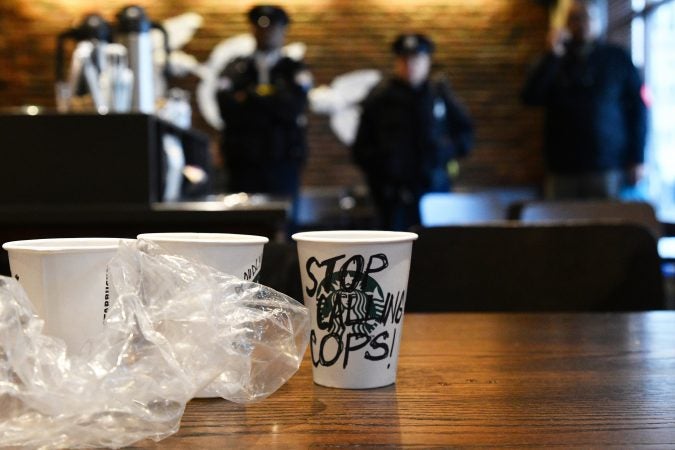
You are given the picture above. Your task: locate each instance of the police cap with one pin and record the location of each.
(265, 15)
(412, 43)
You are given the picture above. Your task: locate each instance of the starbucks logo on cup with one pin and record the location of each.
(353, 309)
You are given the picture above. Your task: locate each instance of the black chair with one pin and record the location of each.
(280, 269)
(4, 264)
(550, 211)
(517, 267)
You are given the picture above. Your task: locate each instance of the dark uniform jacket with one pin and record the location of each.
(595, 116)
(406, 137)
(264, 141)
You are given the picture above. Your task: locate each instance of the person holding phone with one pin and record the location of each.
(596, 119)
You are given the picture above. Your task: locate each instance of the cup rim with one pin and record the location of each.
(62, 245)
(204, 238)
(354, 236)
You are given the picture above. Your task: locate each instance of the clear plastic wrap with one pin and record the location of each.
(172, 328)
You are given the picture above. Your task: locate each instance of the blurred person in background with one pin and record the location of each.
(411, 128)
(596, 120)
(263, 100)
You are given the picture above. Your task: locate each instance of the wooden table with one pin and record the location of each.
(491, 380)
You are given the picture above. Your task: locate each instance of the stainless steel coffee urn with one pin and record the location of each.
(133, 31)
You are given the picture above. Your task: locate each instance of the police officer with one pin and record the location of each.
(262, 100)
(411, 127)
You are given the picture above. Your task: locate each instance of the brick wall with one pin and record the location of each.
(484, 46)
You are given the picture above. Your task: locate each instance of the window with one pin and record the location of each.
(653, 44)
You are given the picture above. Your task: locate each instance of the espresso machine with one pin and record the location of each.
(112, 69)
(117, 71)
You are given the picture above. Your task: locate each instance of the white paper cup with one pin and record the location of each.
(65, 279)
(355, 285)
(239, 255)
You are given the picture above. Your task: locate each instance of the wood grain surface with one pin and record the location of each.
(488, 380)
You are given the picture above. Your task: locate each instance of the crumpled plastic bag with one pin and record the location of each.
(173, 326)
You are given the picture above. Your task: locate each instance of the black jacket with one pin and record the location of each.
(595, 117)
(406, 135)
(263, 127)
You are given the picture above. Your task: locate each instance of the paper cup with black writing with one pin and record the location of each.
(355, 285)
(239, 255)
(66, 281)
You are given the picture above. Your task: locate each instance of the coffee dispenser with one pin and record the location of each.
(133, 31)
(89, 39)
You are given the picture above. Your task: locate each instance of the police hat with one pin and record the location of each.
(412, 43)
(265, 15)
